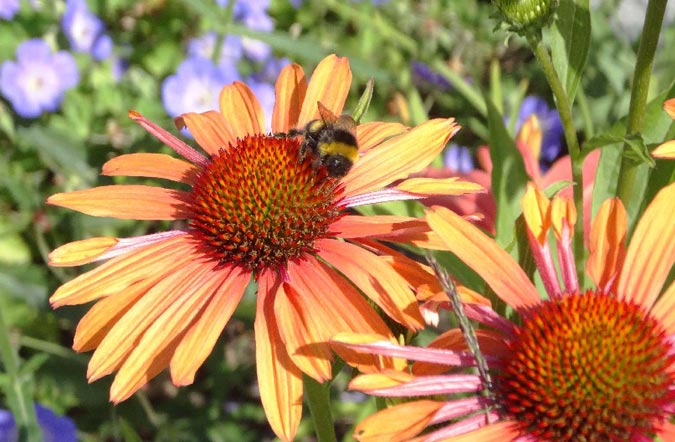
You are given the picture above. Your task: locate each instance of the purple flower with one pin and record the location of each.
(36, 82)
(424, 75)
(458, 159)
(551, 126)
(85, 31)
(8, 8)
(194, 87)
(53, 428)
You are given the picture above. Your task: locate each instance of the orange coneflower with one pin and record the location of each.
(254, 208)
(580, 366)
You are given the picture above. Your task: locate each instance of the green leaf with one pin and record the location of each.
(508, 175)
(364, 101)
(571, 39)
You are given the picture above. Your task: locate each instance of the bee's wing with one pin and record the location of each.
(343, 121)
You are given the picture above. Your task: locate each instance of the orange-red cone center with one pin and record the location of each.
(588, 368)
(258, 205)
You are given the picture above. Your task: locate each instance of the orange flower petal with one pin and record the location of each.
(279, 379)
(651, 252)
(125, 335)
(398, 157)
(164, 332)
(664, 309)
(490, 343)
(329, 84)
(563, 212)
(397, 423)
(303, 332)
(379, 282)
(241, 108)
(665, 151)
(442, 186)
(151, 165)
(122, 272)
(497, 432)
(369, 226)
(485, 257)
(98, 321)
(378, 381)
(607, 244)
(127, 202)
(536, 212)
(210, 129)
(80, 252)
(121, 390)
(198, 342)
(372, 134)
(669, 107)
(325, 316)
(290, 90)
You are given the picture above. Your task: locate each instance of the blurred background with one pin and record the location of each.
(71, 70)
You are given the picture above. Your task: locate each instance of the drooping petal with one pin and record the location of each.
(485, 257)
(164, 332)
(131, 201)
(651, 252)
(151, 165)
(124, 271)
(387, 424)
(317, 315)
(536, 212)
(329, 84)
(379, 282)
(241, 108)
(290, 90)
(210, 130)
(199, 340)
(279, 379)
(126, 334)
(81, 252)
(165, 137)
(490, 343)
(477, 430)
(399, 157)
(607, 245)
(563, 219)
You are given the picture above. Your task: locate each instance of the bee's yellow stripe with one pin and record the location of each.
(348, 150)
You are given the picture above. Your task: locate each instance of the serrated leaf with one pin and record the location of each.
(571, 39)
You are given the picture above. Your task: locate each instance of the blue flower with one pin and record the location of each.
(551, 126)
(85, 31)
(194, 87)
(36, 82)
(458, 159)
(53, 428)
(423, 74)
(8, 8)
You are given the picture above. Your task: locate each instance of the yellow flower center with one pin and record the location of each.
(258, 205)
(588, 368)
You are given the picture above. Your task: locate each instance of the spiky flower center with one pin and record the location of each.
(258, 205)
(588, 368)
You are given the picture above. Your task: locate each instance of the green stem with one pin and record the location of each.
(463, 87)
(318, 399)
(18, 398)
(576, 157)
(638, 99)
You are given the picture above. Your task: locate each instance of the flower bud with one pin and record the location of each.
(526, 16)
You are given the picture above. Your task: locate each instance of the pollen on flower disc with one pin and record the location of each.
(257, 205)
(588, 368)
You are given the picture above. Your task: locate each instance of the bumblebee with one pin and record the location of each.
(330, 141)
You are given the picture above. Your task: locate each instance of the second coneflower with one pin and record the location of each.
(581, 366)
(254, 208)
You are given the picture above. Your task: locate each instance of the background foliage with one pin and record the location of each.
(428, 58)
